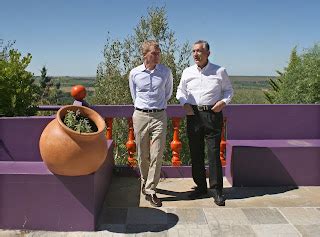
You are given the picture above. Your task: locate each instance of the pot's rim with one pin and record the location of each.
(88, 112)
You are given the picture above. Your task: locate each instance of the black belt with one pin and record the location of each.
(150, 110)
(202, 107)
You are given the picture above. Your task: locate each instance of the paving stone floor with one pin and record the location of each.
(255, 211)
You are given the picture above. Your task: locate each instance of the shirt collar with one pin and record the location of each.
(143, 68)
(202, 69)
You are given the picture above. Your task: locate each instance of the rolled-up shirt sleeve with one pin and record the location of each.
(182, 90)
(132, 87)
(169, 86)
(227, 90)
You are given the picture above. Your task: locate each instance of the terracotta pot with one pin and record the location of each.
(66, 152)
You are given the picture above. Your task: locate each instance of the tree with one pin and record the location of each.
(300, 81)
(49, 92)
(120, 56)
(4, 49)
(18, 92)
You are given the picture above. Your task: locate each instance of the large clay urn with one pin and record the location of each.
(67, 152)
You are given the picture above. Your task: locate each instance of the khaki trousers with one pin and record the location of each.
(150, 136)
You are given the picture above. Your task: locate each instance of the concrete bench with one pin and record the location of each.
(34, 198)
(273, 145)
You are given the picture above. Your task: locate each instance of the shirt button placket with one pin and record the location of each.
(201, 88)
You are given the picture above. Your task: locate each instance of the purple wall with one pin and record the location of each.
(19, 137)
(19, 140)
(250, 122)
(272, 145)
(273, 162)
(34, 198)
(29, 191)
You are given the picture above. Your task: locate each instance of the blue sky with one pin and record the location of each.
(248, 37)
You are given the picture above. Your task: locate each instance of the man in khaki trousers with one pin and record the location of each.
(151, 88)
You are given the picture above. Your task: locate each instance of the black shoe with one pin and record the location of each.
(154, 200)
(219, 198)
(197, 193)
(143, 189)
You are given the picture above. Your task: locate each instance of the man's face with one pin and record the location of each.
(200, 54)
(153, 56)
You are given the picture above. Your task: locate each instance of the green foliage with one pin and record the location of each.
(249, 90)
(44, 79)
(50, 92)
(300, 81)
(78, 122)
(4, 49)
(18, 92)
(248, 96)
(120, 56)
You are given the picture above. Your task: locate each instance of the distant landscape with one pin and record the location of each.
(248, 89)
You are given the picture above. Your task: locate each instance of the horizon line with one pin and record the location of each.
(95, 76)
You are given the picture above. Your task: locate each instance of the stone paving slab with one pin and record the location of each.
(188, 216)
(302, 216)
(225, 216)
(309, 230)
(271, 211)
(261, 216)
(201, 222)
(275, 230)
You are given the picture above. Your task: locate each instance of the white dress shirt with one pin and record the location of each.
(150, 89)
(204, 86)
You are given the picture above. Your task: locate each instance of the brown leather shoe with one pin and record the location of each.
(143, 189)
(154, 200)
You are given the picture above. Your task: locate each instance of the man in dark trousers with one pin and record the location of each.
(204, 90)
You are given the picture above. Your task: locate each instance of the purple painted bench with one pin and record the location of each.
(34, 198)
(273, 145)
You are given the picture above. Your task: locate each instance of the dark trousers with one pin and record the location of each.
(205, 126)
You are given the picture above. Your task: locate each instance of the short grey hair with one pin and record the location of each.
(205, 43)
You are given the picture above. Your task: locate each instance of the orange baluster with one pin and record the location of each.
(131, 145)
(223, 143)
(109, 128)
(176, 145)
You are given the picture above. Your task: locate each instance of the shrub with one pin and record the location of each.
(18, 92)
(78, 122)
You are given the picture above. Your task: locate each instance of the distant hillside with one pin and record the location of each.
(69, 81)
(250, 82)
(248, 89)
(251, 78)
(239, 82)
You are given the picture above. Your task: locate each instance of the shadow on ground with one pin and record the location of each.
(247, 192)
(121, 212)
(136, 220)
(230, 193)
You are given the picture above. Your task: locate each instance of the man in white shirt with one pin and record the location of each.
(151, 87)
(204, 90)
